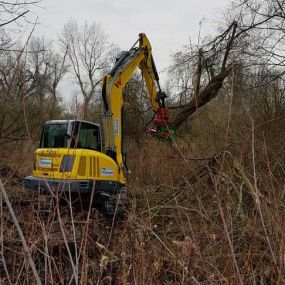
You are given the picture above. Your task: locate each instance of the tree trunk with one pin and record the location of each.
(204, 96)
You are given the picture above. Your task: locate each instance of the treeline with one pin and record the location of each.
(244, 60)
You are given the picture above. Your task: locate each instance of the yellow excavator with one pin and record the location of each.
(71, 157)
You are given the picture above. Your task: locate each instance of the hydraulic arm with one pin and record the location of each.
(113, 84)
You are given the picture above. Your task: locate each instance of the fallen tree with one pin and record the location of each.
(213, 67)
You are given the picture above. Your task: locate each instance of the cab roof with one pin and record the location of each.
(70, 121)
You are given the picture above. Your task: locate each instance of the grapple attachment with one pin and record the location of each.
(160, 128)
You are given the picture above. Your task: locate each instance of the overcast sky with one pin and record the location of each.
(168, 24)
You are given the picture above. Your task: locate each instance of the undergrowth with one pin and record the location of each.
(206, 209)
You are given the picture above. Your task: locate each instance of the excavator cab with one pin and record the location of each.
(71, 134)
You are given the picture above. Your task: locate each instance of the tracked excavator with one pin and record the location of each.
(71, 157)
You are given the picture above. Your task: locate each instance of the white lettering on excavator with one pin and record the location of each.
(107, 172)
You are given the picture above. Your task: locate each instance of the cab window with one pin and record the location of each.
(86, 136)
(54, 135)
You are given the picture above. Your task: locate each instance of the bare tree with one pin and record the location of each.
(209, 66)
(253, 40)
(46, 68)
(262, 22)
(16, 11)
(88, 53)
(29, 79)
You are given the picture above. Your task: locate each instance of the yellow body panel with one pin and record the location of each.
(87, 164)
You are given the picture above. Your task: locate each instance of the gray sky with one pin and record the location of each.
(168, 24)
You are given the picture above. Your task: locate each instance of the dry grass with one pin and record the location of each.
(189, 223)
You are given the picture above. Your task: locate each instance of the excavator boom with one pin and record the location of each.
(113, 84)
